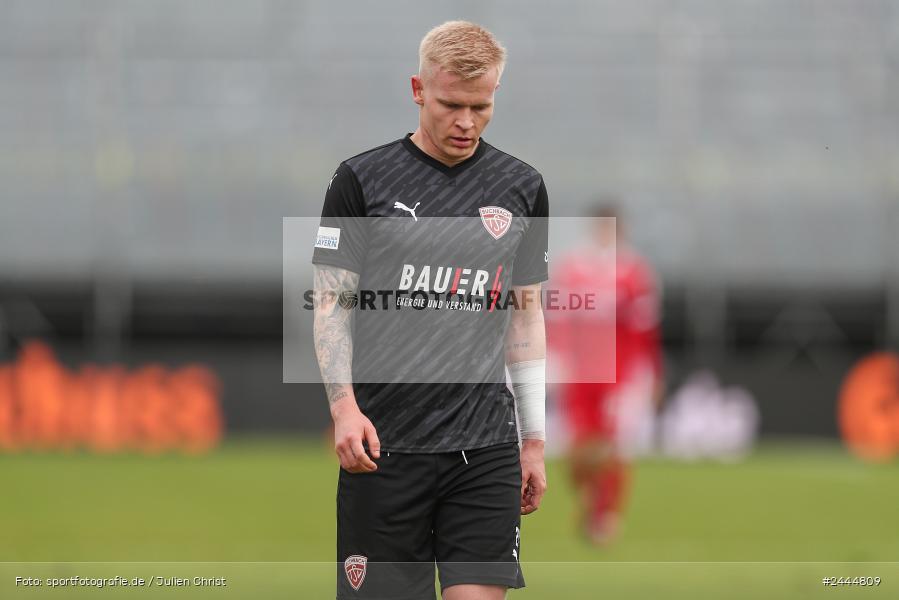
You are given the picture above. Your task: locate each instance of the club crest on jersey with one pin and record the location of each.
(355, 566)
(496, 220)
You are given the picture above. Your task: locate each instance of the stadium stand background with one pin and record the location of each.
(149, 151)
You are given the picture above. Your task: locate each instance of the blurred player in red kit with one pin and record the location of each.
(610, 352)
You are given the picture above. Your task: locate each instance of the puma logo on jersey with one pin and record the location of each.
(411, 211)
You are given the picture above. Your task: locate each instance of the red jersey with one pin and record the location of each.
(614, 334)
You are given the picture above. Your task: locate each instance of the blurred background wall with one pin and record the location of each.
(149, 151)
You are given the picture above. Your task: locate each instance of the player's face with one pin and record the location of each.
(454, 112)
(607, 232)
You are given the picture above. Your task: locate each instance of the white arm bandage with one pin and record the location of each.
(529, 388)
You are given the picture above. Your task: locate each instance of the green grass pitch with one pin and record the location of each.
(260, 512)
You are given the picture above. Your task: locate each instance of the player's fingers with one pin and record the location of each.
(362, 459)
(525, 480)
(374, 444)
(345, 462)
(347, 457)
(525, 493)
(532, 493)
(532, 504)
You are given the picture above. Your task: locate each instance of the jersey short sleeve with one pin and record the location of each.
(342, 237)
(531, 261)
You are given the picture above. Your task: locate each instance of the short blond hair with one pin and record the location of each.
(461, 48)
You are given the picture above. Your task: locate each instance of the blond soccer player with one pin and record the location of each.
(423, 242)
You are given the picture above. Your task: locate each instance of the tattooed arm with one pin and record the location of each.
(334, 350)
(526, 337)
(333, 337)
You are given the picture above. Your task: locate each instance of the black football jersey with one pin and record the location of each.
(437, 250)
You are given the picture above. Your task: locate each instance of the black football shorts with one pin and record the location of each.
(460, 512)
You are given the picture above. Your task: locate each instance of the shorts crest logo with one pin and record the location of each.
(355, 566)
(496, 220)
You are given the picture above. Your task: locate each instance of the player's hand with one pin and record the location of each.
(351, 427)
(533, 475)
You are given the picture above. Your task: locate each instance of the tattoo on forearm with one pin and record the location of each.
(331, 329)
(335, 392)
(526, 336)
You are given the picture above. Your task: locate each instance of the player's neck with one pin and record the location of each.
(426, 145)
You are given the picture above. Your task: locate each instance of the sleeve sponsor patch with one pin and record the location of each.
(328, 238)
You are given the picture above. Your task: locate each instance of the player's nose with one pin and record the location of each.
(465, 122)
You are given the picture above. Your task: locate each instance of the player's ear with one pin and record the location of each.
(417, 88)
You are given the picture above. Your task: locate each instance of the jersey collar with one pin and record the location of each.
(445, 169)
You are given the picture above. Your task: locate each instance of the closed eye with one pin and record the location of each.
(455, 106)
